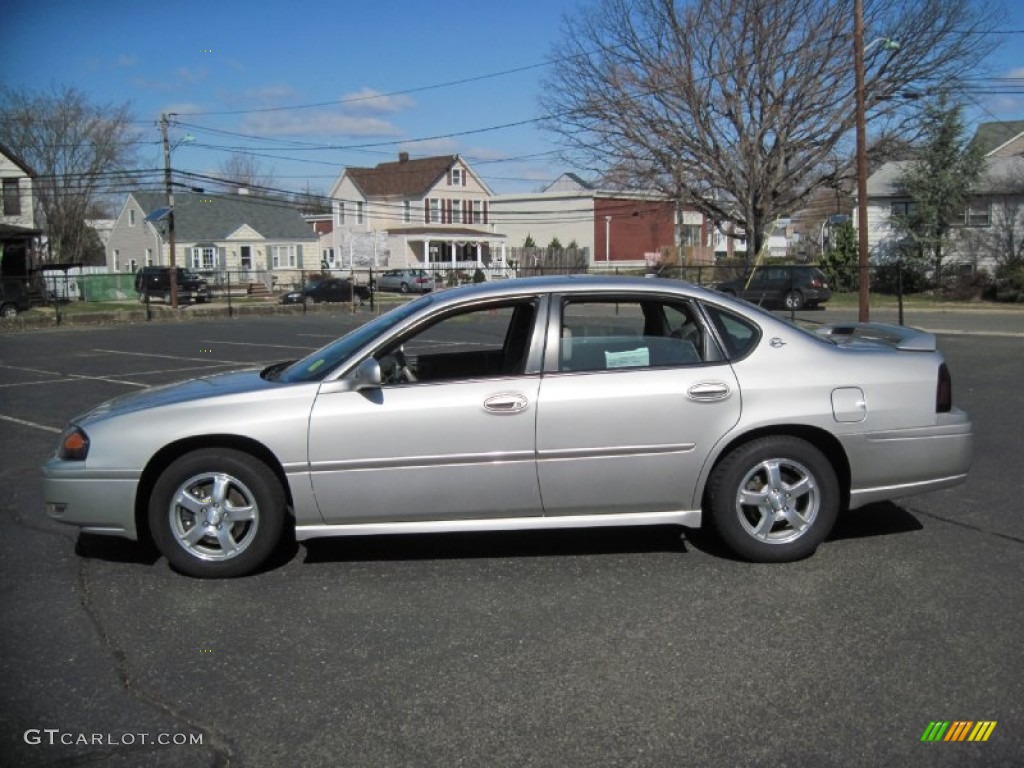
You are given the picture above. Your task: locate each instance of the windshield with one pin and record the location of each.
(316, 366)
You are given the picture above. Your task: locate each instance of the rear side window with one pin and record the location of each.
(738, 334)
(605, 334)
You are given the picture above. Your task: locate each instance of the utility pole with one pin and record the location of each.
(864, 312)
(170, 215)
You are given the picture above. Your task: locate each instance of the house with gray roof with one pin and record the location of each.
(430, 211)
(19, 237)
(992, 220)
(256, 239)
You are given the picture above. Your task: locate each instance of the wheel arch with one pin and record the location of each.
(821, 439)
(173, 451)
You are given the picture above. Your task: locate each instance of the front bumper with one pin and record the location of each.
(96, 501)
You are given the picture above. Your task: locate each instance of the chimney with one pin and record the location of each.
(403, 157)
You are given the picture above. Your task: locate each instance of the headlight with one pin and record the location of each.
(74, 445)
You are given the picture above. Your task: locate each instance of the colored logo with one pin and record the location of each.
(958, 730)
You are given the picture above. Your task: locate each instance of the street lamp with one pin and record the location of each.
(169, 187)
(859, 49)
(607, 238)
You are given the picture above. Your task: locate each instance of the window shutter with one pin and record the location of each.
(222, 259)
(426, 210)
(449, 177)
(485, 211)
(467, 212)
(463, 177)
(298, 255)
(270, 257)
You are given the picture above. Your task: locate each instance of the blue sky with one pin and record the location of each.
(226, 56)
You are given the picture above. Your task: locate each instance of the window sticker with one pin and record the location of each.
(630, 358)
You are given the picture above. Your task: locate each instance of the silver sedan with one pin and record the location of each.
(525, 404)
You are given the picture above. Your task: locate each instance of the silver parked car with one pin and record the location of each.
(405, 281)
(533, 403)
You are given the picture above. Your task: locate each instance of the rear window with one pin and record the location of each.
(739, 334)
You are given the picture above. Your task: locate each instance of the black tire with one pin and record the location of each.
(404, 288)
(774, 526)
(248, 488)
(167, 297)
(794, 300)
(9, 310)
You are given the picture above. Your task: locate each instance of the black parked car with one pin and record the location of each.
(13, 298)
(329, 289)
(789, 287)
(156, 281)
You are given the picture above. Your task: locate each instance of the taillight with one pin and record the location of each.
(944, 391)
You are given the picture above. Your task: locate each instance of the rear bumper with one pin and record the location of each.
(896, 463)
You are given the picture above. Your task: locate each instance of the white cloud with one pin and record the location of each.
(322, 124)
(430, 147)
(369, 100)
(127, 61)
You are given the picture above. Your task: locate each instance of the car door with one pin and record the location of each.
(633, 398)
(449, 435)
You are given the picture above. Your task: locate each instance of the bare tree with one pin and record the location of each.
(737, 107)
(242, 171)
(79, 151)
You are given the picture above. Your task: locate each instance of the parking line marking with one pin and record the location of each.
(187, 368)
(38, 382)
(25, 423)
(176, 357)
(257, 344)
(80, 376)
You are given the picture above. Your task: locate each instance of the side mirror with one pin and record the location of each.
(366, 375)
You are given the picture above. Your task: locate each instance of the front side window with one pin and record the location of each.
(485, 341)
(606, 334)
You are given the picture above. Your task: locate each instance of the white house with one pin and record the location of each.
(430, 211)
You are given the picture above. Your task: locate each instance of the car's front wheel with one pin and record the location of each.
(217, 513)
(9, 310)
(774, 499)
(404, 288)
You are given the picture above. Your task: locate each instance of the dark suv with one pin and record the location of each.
(13, 298)
(789, 287)
(156, 281)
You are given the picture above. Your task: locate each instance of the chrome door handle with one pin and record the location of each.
(709, 391)
(507, 402)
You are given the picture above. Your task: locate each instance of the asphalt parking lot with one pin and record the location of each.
(635, 647)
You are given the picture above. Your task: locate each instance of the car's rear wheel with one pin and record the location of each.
(217, 513)
(9, 310)
(794, 300)
(404, 287)
(774, 499)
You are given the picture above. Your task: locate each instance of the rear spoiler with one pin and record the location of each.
(898, 336)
